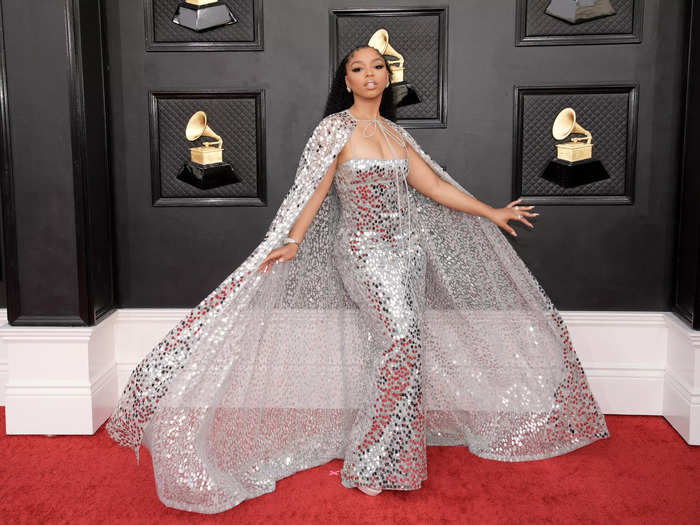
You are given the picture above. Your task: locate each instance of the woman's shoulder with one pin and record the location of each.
(329, 126)
(333, 121)
(338, 116)
(344, 119)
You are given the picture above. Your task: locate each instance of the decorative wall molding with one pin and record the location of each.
(686, 285)
(7, 186)
(238, 116)
(420, 35)
(89, 122)
(609, 110)
(534, 27)
(682, 380)
(637, 363)
(75, 231)
(58, 380)
(163, 35)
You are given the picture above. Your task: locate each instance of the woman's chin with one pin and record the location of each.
(371, 93)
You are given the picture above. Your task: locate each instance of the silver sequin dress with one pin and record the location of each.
(400, 323)
(383, 269)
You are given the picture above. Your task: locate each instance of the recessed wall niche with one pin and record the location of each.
(607, 111)
(419, 36)
(566, 22)
(237, 117)
(244, 33)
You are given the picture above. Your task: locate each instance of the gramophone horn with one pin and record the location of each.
(380, 42)
(197, 127)
(565, 124)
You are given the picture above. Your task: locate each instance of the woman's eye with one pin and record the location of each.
(356, 69)
(380, 66)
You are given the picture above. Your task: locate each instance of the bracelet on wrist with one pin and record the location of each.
(289, 240)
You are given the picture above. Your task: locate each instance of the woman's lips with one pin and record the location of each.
(371, 85)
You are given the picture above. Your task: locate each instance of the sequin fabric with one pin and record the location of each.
(362, 348)
(385, 277)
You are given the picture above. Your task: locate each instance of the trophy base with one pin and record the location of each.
(578, 12)
(571, 174)
(404, 94)
(203, 17)
(207, 176)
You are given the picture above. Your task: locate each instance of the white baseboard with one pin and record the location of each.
(61, 380)
(624, 356)
(682, 381)
(638, 363)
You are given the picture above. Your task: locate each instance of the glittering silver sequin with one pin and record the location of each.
(363, 348)
(385, 277)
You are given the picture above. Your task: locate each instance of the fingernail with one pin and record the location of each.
(536, 213)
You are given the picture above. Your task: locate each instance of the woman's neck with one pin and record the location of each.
(365, 114)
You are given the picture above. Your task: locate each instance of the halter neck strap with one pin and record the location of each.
(387, 131)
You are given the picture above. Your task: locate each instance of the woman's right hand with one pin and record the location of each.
(285, 253)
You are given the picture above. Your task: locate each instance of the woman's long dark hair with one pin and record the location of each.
(339, 98)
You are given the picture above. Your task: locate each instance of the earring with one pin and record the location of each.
(387, 84)
(346, 87)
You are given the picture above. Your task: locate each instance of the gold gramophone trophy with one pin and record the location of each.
(574, 164)
(404, 93)
(206, 168)
(577, 11)
(564, 125)
(201, 15)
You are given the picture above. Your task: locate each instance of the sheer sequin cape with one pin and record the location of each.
(263, 377)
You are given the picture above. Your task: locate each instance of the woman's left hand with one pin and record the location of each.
(501, 216)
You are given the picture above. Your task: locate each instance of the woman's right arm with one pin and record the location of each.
(306, 217)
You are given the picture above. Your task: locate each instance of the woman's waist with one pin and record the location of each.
(374, 236)
(376, 248)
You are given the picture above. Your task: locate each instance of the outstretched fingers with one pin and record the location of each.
(520, 212)
(525, 221)
(266, 265)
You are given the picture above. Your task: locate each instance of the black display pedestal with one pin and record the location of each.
(404, 94)
(571, 174)
(207, 176)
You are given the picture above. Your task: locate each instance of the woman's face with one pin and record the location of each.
(366, 74)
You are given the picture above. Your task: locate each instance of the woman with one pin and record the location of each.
(400, 318)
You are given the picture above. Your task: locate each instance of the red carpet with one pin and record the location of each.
(645, 473)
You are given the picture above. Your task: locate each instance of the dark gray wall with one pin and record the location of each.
(41, 155)
(586, 257)
(56, 190)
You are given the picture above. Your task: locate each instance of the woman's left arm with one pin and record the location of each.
(422, 177)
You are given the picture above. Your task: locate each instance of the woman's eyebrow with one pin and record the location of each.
(360, 61)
